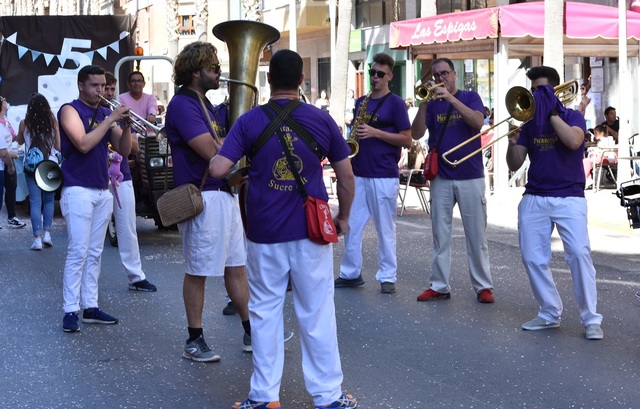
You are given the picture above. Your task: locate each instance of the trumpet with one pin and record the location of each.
(521, 106)
(424, 93)
(138, 123)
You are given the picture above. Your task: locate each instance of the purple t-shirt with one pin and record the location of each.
(184, 121)
(555, 170)
(457, 131)
(275, 212)
(85, 169)
(377, 158)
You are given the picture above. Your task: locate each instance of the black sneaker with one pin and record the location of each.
(70, 322)
(343, 282)
(97, 316)
(198, 350)
(16, 223)
(230, 309)
(143, 285)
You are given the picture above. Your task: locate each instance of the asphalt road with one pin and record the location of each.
(396, 352)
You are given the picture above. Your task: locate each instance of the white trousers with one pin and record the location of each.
(375, 198)
(126, 231)
(310, 268)
(469, 195)
(537, 215)
(86, 212)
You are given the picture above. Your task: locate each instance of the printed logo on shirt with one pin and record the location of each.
(280, 170)
(546, 142)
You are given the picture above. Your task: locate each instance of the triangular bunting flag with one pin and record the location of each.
(35, 55)
(90, 55)
(21, 51)
(48, 58)
(13, 38)
(123, 35)
(103, 52)
(115, 46)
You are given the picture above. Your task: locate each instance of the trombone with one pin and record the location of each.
(138, 123)
(424, 93)
(521, 106)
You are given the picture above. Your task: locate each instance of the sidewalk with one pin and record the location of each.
(609, 229)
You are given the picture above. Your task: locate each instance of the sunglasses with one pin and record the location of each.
(376, 73)
(215, 68)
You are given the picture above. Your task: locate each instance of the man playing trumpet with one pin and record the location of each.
(452, 117)
(554, 196)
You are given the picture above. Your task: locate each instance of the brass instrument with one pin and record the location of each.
(521, 106)
(138, 123)
(424, 93)
(360, 119)
(245, 41)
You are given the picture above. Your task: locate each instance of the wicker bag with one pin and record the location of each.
(180, 204)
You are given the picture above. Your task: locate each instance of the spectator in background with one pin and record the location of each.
(10, 178)
(348, 112)
(611, 123)
(142, 104)
(323, 101)
(39, 128)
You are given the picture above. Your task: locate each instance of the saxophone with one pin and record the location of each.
(358, 120)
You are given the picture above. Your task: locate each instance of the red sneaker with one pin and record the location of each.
(431, 295)
(485, 296)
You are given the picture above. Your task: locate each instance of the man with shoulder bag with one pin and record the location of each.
(283, 164)
(453, 117)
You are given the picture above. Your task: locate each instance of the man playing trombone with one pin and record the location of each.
(554, 196)
(453, 116)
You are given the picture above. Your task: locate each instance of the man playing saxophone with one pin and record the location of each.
(382, 129)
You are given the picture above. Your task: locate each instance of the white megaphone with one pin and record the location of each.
(48, 175)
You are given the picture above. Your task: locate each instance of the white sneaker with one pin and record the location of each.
(37, 244)
(46, 239)
(539, 323)
(594, 331)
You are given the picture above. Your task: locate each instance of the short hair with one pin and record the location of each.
(285, 70)
(83, 74)
(384, 59)
(192, 58)
(135, 73)
(609, 109)
(543, 71)
(444, 60)
(111, 79)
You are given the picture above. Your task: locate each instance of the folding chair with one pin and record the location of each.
(422, 189)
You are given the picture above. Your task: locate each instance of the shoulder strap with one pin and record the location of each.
(303, 133)
(378, 107)
(292, 165)
(274, 123)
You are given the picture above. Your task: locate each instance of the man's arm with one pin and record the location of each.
(516, 154)
(121, 139)
(75, 130)
(571, 136)
(402, 138)
(219, 166)
(346, 186)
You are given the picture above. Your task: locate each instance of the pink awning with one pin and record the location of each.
(582, 21)
(466, 25)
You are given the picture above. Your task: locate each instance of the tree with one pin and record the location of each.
(341, 61)
(172, 27)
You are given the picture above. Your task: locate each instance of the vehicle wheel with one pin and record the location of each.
(111, 232)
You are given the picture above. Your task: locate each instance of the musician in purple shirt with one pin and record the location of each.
(86, 128)
(382, 126)
(554, 196)
(453, 117)
(278, 247)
